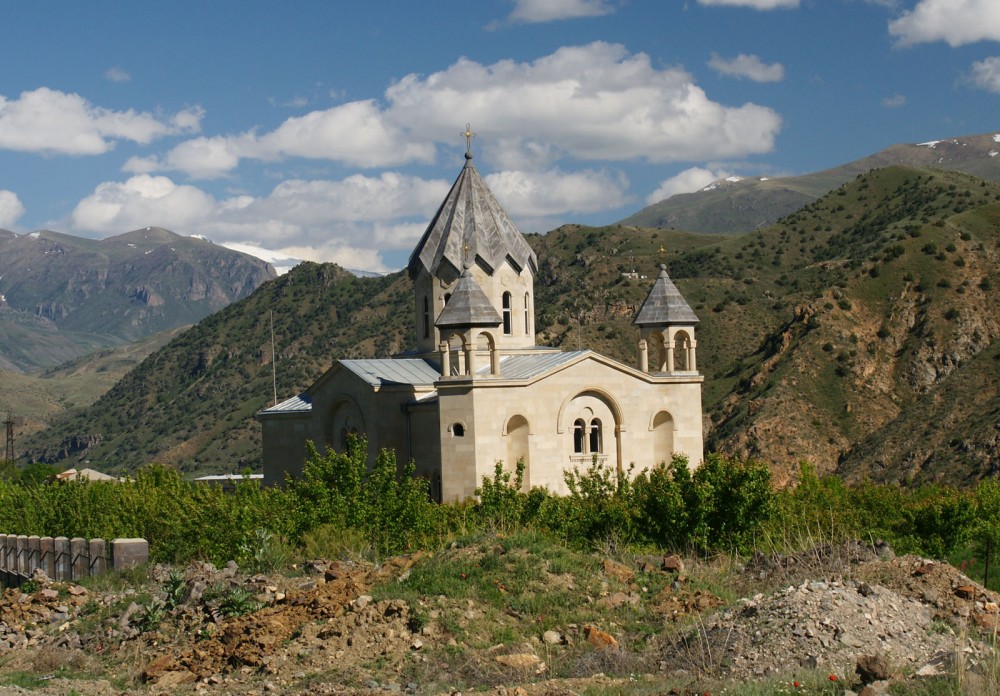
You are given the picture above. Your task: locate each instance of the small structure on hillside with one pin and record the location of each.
(476, 389)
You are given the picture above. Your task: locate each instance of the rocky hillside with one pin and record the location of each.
(63, 296)
(511, 617)
(831, 336)
(741, 204)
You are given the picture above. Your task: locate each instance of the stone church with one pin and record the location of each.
(476, 389)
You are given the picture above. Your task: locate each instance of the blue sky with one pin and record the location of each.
(330, 130)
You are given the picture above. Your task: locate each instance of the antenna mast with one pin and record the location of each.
(9, 453)
(274, 368)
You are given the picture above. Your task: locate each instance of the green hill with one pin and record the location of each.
(833, 329)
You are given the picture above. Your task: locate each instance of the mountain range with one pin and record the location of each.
(858, 332)
(63, 296)
(736, 204)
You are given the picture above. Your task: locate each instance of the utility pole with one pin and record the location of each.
(9, 453)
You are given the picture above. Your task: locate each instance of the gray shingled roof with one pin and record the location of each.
(471, 215)
(664, 306)
(408, 371)
(468, 306)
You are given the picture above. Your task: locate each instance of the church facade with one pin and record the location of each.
(476, 389)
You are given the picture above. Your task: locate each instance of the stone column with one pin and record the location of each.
(691, 364)
(643, 355)
(445, 350)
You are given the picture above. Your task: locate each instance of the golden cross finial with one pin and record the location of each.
(662, 250)
(469, 135)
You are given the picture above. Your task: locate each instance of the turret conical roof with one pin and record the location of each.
(471, 224)
(664, 306)
(468, 306)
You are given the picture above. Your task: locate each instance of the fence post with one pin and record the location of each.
(34, 553)
(22, 555)
(62, 559)
(3, 560)
(80, 562)
(98, 557)
(47, 552)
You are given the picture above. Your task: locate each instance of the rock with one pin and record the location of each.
(965, 591)
(526, 662)
(599, 639)
(619, 571)
(672, 563)
(552, 638)
(175, 678)
(872, 668)
(362, 601)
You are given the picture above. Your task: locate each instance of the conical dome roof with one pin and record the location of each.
(664, 306)
(471, 224)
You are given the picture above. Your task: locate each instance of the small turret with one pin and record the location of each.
(666, 324)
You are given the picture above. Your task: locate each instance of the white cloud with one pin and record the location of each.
(553, 192)
(350, 221)
(956, 22)
(11, 208)
(755, 4)
(46, 120)
(356, 133)
(142, 200)
(687, 181)
(986, 74)
(749, 66)
(533, 11)
(117, 74)
(894, 102)
(622, 108)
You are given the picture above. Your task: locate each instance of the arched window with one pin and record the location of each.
(527, 316)
(447, 296)
(507, 327)
(579, 436)
(458, 430)
(596, 441)
(427, 317)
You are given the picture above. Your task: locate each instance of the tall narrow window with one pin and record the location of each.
(427, 317)
(595, 436)
(578, 436)
(507, 328)
(527, 316)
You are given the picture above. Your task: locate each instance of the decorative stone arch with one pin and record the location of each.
(457, 429)
(617, 415)
(343, 417)
(602, 395)
(491, 346)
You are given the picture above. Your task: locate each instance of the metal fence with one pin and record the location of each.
(65, 559)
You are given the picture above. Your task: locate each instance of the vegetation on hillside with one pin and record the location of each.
(834, 329)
